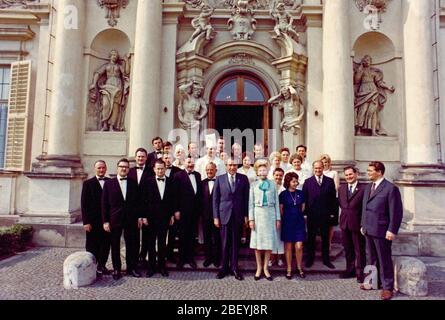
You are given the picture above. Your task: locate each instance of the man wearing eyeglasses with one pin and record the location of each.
(121, 213)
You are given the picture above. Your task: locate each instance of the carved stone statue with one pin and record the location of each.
(202, 23)
(370, 98)
(192, 108)
(111, 83)
(292, 105)
(283, 21)
(373, 10)
(15, 3)
(242, 24)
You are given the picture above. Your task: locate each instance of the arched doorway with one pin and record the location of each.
(239, 101)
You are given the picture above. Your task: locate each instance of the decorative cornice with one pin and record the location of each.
(16, 3)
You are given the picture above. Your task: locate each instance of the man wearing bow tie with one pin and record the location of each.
(188, 186)
(170, 169)
(122, 212)
(212, 237)
(158, 196)
(140, 173)
(350, 198)
(97, 240)
(382, 215)
(157, 144)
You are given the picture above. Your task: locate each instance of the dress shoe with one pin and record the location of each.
(365, 286)
(207, 263)
(309, 263)
(117, 275)
(329, 265)
(269, 278)
(347, 275)
(289, 275)
(134, 273)
(257, 277)
(221, 275)
(105, 271)
(217, 264)
(386, 294)
(238, 275)
(164, 272)
(360, 278)
(150, 273)
(180, 265)
(193, 265)
(300, 273)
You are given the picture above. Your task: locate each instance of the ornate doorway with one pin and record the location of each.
(240, 102)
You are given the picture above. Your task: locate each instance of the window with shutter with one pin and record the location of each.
(17, 123)
(4, 94)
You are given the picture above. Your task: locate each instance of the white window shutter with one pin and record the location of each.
(18, 106)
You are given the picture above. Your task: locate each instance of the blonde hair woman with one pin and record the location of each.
(264, 219)
(275, 162)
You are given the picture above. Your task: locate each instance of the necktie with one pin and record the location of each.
(319, 181)
(372, 189)
(101, 179)
(212, 180)
(122, 179)
(161, 179)
(232, 183)
(350, 190)
(140, 168)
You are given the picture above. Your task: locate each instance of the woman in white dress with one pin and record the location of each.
(247, 169)
(285, 154)
(264, 220)
(296, 160)
(328, 172)
(275, 162)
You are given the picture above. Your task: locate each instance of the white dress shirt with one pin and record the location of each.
(193, 181)
(139, 173)
(201, 164)
(211, 184)
(101, 182)
(123, 185)
(378, 182)
(354, 186)
(161, 186)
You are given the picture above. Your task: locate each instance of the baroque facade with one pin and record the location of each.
(80, 80)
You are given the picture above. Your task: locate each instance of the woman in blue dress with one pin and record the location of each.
(293, 228)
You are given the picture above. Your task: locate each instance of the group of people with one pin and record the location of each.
(283, 201)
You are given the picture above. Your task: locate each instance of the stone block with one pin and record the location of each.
(79, 270)
(75, 236)
(432, 244)
(406, 244)
(410, 276)
(49, 235)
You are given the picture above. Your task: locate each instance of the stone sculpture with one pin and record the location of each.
(109, 90)
(293, 110)
(192, 108)
(370, 98)
(202, 23)
(242, 24)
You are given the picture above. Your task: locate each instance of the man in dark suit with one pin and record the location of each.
(350, 198)
(157, 144)
(188, 193)
(230, 212)
(170, 169)
(320, 207)
(158, 196)
(140, 173)
(381, 219)
(97, 240)
(121, 211)
(212, 237)
(173, 230)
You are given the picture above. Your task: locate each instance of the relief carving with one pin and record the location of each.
(113, 8)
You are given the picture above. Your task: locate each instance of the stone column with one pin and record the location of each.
(146, 82)
(338, 93)
(422, 178)
(56, 178)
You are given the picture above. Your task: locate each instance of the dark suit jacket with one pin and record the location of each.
(155, 208)
(151, 159)
(321, 202)
(226, 203)
(91, 202)
(383, 211)
(148, 172)
(174, 170)
(207, 200)
(117, 211)
(351, 207)
(188, 203)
